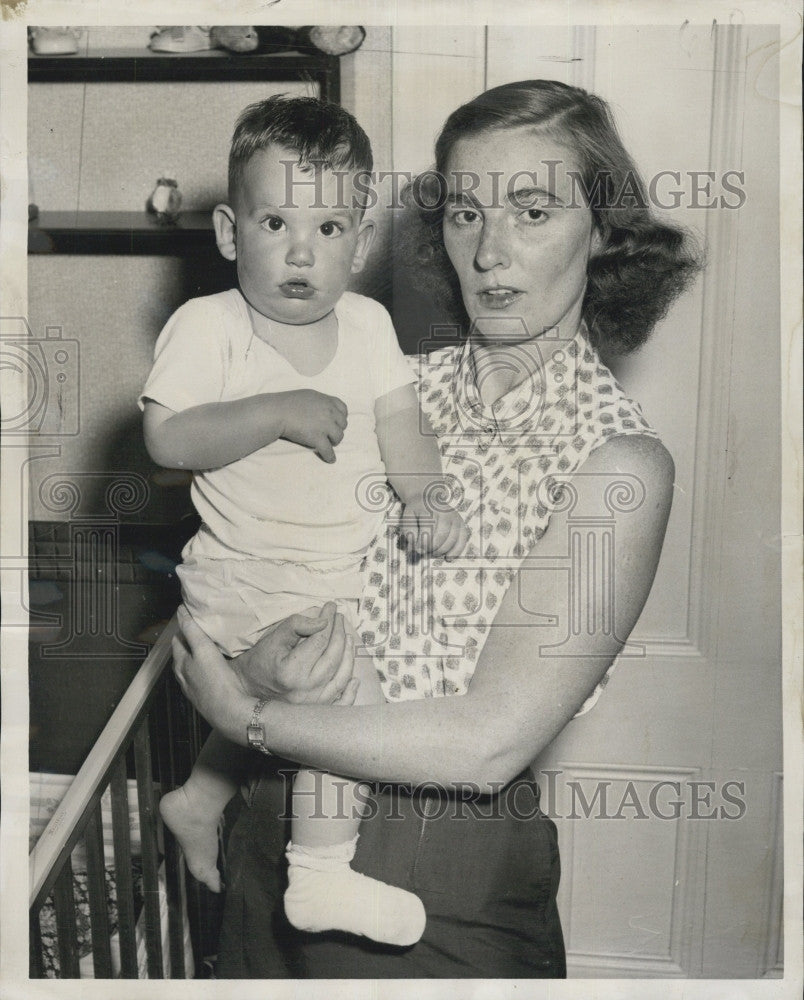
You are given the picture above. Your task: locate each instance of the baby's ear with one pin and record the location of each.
(223, 219)
(365, 237)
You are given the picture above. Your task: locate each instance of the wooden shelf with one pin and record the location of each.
(138, 232)
(144, 66)
(120, 233)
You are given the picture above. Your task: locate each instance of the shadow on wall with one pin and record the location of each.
(118, 447)
(421, 324)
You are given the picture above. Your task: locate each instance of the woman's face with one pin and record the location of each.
(518, 233)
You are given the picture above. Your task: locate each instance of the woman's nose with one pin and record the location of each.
(300, 254)
(492, 249)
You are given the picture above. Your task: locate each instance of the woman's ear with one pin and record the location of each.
(223, 219)
(365, 238)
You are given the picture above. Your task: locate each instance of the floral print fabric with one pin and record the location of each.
(424, 620)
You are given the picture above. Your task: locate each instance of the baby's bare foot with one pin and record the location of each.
(197, 833)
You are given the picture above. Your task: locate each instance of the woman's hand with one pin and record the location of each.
(208, 682)
(305, 659)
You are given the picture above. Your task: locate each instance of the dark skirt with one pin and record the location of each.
(486, 869)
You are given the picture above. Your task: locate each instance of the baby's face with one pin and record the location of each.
(298, 238)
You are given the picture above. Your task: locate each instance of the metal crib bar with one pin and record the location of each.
(121, 835)
(150, 852)
(36, 965)
(96, 885)
(175, 918)
(168, 779)
(79, 815)
(66, 825)
(64, 904)
(185, 751)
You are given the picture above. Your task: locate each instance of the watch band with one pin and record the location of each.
(255, 730)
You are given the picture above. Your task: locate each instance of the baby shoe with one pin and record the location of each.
(54, 41)
(194, 38)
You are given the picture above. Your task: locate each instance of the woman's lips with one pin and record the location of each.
(499, 297)
(297, 289)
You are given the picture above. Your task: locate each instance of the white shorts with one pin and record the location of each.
(235, 601)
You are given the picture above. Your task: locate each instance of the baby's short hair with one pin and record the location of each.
(321, 134)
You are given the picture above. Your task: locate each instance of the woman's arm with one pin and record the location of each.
(306, 658)
(521, 697)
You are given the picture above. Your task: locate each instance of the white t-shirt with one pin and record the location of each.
(282, 502)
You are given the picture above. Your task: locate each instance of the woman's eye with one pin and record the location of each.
(535, 216)
(330, 229)
(464, 217)
(273, 224)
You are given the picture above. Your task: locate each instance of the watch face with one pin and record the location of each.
(256, 738)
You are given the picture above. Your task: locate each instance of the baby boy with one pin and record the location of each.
(287, 397)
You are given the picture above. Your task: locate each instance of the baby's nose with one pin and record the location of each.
(300, 254)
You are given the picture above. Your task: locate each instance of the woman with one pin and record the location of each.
(535, 225)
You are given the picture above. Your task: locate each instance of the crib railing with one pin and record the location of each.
(155, 735)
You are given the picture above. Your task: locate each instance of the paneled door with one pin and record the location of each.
(675, 869)
(668, 794)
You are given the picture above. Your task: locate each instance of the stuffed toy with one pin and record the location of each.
(332, 40)
(234, 38)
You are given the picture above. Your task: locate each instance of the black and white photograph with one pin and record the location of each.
(401, 499)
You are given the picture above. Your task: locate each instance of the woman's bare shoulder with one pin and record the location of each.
(639, 455)
(629, 477)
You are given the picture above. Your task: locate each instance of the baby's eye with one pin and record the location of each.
(273, 224)
(330, 229)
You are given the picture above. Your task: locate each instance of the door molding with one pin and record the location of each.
(679, 955)
(719, 280)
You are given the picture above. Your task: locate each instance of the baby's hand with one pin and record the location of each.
(439, 532)
(314, 420)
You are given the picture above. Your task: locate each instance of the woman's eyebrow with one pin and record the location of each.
(521, 197)
(525, 195)
(462, 198)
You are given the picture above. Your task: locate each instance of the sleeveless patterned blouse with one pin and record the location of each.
(424, 620)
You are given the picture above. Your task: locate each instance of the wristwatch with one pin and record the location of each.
(255, 730)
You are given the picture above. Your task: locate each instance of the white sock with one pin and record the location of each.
(325, 894)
